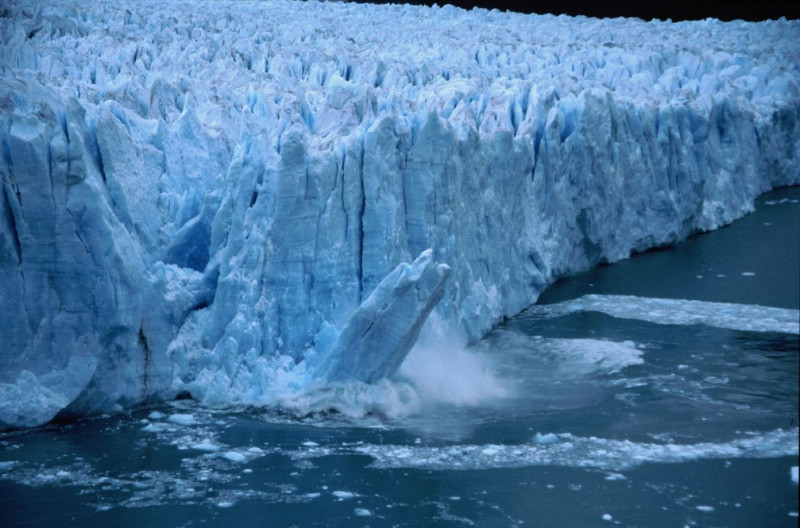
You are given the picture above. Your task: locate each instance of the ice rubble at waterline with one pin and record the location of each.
(258, 196)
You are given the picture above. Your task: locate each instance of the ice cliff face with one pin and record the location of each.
(238, 199)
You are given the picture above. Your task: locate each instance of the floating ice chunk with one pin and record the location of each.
(205, 445)
(492, 450)
(547, 438)
(793, 473)
(234, 456)
(342, 495)
(363, 512)
(607, 517)
(156, 415)
(182, 419)
(156, 428)
(225, 504)
(704, 508)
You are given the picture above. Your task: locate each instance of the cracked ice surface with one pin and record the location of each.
(210, 199)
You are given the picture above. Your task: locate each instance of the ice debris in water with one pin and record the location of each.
(182, 419)
(574, 451)
(234, 456)
(342, 495)
(745, 317)
(197, 209)
(547, 438)
(155, 428)
(205, 445)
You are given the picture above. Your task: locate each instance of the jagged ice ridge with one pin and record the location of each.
(256, 197)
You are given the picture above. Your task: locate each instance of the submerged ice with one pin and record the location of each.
(260, 197)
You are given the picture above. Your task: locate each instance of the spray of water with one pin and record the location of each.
(439, 371)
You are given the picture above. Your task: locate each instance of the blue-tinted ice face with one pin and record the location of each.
(214, 204)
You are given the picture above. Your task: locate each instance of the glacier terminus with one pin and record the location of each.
(261, 198)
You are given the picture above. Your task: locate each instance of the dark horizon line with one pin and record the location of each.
(676, 10)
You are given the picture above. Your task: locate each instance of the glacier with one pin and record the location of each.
(265, 196)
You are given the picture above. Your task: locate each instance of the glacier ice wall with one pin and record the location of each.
(233, 200)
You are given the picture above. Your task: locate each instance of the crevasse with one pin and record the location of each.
(261, 195)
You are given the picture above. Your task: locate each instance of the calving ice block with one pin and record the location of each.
(226, 201)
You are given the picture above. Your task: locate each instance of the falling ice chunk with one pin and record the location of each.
(386, 325)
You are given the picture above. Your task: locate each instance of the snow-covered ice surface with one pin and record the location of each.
(224, 200)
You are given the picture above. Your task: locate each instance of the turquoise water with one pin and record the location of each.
(618, 409)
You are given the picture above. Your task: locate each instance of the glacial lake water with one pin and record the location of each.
(612, 402)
